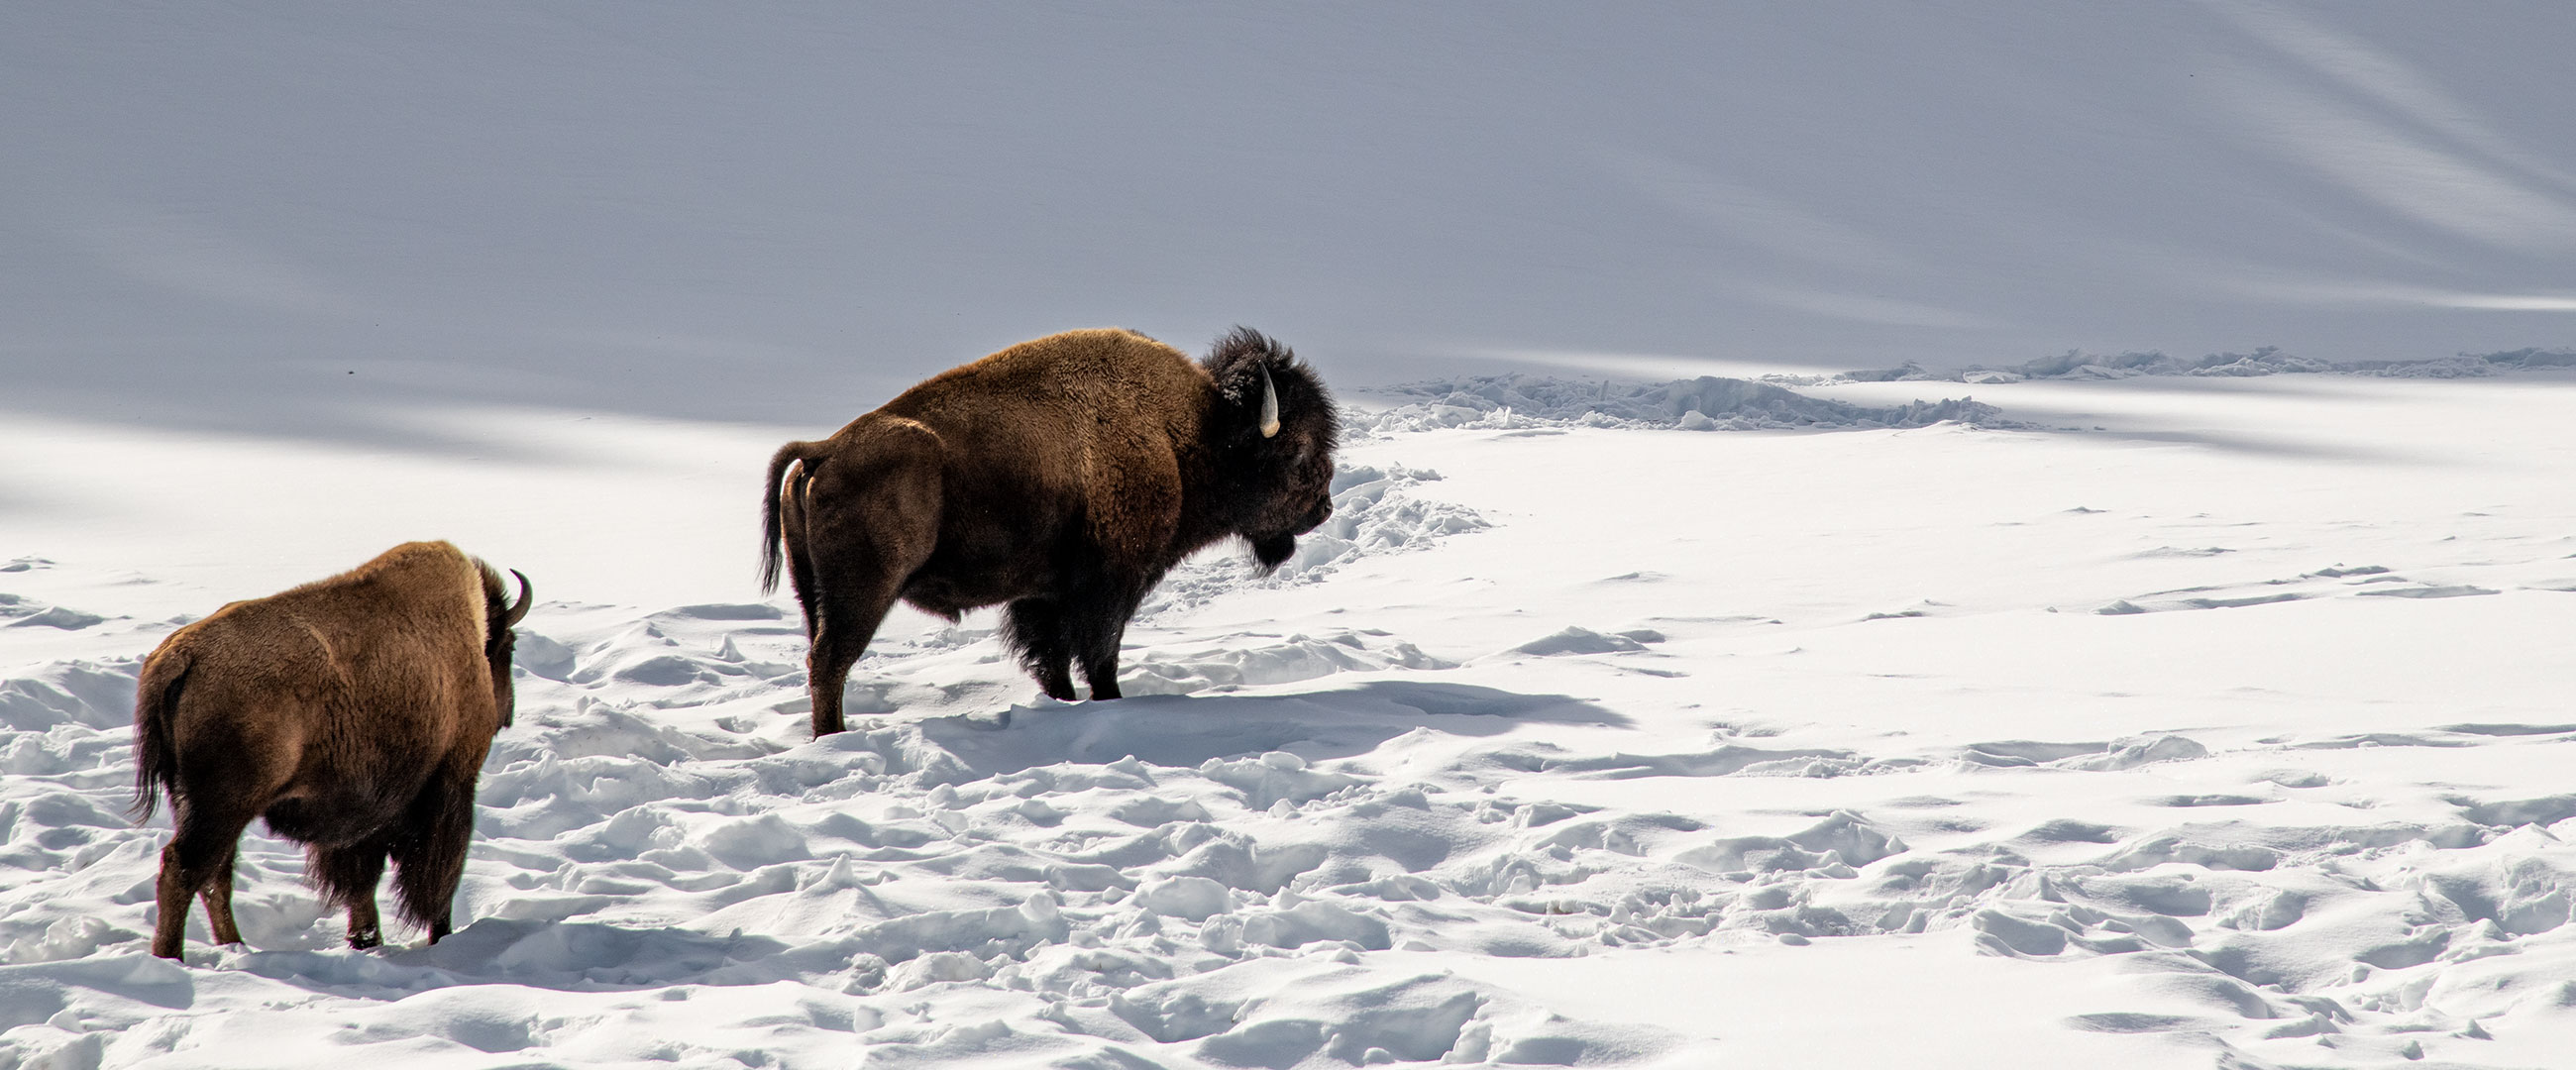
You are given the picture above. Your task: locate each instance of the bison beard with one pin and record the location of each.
(1060, 478)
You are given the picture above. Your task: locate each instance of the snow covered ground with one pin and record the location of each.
(2157, 722)
(2192, 698)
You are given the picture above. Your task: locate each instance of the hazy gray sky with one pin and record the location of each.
(767, 212)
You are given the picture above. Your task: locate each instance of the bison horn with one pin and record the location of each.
(1269, 404)
(520, 610)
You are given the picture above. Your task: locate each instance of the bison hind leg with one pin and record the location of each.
(1038, 630)
(850, 619)
(864, 521)
(218, 897)
(838, 641)
(203, 847)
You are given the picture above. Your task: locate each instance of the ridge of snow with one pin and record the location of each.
(1519, 401)
(2264, 360)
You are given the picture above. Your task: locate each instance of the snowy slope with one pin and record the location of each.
(2231, 732)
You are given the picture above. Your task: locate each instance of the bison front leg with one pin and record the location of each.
(1097, 629)
(429, 859)
(347, 877)
(1102, 674)
(366, 927)
(1037, 627)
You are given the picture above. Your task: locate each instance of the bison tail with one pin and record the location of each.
(772, 527)
(156, 703)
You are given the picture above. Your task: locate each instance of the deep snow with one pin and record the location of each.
(1606, 746)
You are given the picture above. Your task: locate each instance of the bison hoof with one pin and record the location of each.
(363, 941)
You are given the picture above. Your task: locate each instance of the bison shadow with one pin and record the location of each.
(570, 955)
(1187, 730)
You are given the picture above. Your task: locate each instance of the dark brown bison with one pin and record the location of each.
(353, 713)
(1062, 476)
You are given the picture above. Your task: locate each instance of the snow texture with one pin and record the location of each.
(1381, 808)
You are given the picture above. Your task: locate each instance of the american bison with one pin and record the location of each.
(1063, 476)
(353, 713)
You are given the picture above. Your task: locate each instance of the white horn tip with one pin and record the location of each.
(1269, 405)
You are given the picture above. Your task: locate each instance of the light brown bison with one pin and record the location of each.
(353, 713)
(1062, 476)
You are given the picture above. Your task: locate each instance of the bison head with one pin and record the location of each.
(1275, 429)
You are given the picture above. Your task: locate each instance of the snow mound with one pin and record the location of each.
(1576, 639)
(1708, 403)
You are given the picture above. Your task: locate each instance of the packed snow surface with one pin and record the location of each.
(2232, 733)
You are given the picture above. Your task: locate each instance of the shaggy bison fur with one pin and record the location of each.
(1061, 477)
(353, 713)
